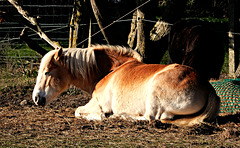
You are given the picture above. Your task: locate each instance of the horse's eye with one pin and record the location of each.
(47, 73)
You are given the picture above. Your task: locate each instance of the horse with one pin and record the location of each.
(194, 43)
(121, 85)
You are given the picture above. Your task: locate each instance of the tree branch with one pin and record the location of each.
(33, 24)
(32, 44)
(98, 18)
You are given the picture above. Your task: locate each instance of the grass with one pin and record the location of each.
(127, 139)
(19, 64)
(20, 50)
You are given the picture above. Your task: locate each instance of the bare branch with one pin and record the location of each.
(24, 13)
(9, 16)
(34, 24)
(32, 44)
(98, 18)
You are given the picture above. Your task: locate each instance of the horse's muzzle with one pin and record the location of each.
(41, 101)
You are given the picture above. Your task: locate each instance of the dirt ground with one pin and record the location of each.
(22, 124)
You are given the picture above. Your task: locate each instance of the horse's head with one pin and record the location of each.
(52, 78)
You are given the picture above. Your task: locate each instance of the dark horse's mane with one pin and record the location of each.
(193, 43)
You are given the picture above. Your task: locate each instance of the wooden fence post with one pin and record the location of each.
(90, 34)
(132, 34)
(140, 34)
(231, 52)
(73, 33)
(80, 14)
(233, 45)
(137, 32)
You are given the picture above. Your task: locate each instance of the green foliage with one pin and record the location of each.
(18, 64)
(30, 73)
(214, 20)
(190, 2)
(165, 58)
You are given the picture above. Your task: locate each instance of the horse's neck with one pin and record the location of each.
(105, 64)
(109, 62)
(86, 84)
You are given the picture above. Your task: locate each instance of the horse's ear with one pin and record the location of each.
(58, 54)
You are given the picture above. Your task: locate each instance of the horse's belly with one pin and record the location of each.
(121, 99)
(129, 102)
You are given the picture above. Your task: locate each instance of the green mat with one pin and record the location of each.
(229, 92)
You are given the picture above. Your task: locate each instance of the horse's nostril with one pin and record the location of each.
(43, 101)
(40, 100)
(36, 99)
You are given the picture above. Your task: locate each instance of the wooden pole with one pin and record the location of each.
(132, 34)
(90, 33)
(231, 52)
(137, 33)
(233, 46)
(73, 33)
(140, 34)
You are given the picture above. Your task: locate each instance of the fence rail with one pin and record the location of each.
(52, 15)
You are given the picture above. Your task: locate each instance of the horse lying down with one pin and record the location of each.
(121, 85)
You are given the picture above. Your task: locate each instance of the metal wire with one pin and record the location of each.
(116, 21)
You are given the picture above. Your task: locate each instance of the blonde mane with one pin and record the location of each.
(80, 61)
(120, 50)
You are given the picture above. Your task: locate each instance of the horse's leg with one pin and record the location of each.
(153, 108)
(156, 106)
(91, 111)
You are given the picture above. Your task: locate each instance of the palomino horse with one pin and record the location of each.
(120, 84)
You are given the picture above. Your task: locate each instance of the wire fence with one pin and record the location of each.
(53, 18)
(53, 23)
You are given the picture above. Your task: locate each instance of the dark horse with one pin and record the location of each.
(193, 43)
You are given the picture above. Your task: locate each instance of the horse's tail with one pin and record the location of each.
(207, 114)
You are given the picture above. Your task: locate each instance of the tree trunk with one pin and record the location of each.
(233, 41)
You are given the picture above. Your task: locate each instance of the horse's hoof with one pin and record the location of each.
(77, 113)
(166, 116)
